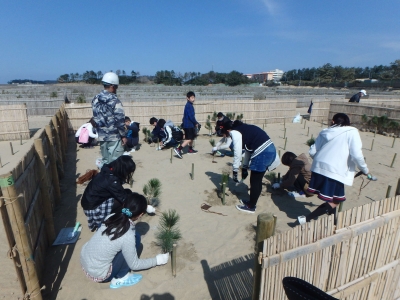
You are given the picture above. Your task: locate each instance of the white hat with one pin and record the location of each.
(364, 92)
(110, 78)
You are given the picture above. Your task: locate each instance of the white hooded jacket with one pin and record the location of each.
(337, 152)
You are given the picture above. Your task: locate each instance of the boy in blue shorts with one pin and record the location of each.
(190, 126)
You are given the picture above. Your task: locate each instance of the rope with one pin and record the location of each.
(29, 296)
(361, 186)
(11, 200)
(205, 207)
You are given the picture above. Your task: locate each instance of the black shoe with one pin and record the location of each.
(192, 151)
(178, 152)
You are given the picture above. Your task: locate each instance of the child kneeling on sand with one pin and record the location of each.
(111, 253)
(298, 176)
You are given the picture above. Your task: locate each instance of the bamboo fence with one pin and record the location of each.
(14, 123)
(359, 259)
(30, 193)
(254, 111)
(37, 107)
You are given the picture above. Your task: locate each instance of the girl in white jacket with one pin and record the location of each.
(86, 134)
(336, 153)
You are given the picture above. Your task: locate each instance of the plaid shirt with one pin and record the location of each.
(96, 216)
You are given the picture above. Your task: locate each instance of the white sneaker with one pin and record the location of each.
(302, 220)
(133, 150)
(126, 153)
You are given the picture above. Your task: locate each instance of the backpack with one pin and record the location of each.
(177, 134)
(84, 136)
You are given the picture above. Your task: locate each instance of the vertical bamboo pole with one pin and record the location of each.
(279, 153)
(372, 144)
(53, 163)
(171, 157)
(58, 146)
(173, 260)
(308, 131)
(284, 147)
(265, 229)
(305, 121)
(394, 139)
(44, 191)
(20, 140)
(16, 216)
(301, 121)
(389, 188)
(62, 136)
(12, 149)
(394, 158)
(223, 192)
(284, 133)
(398, 188)
(192, 171)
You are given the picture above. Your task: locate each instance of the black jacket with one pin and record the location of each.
(355, 98)
(102, 187)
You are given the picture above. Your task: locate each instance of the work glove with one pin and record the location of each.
(150, 209)
(162, 259)
(245, 173)
(235, 176)
(214, 149)
(276, 186)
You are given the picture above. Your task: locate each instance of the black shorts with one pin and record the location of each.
(190, 133)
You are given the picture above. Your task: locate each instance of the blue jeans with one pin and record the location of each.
(119, 266)
(262, 161)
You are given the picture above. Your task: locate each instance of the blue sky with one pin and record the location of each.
(44, 39)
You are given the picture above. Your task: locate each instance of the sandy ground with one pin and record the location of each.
(215, 256)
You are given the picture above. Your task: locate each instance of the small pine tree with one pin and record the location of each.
(310, 142)
(168, 233)
(208, 125)
(152, 191)
(239, 117)
(214, 116)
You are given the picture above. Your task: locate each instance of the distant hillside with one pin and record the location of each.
(29, 81)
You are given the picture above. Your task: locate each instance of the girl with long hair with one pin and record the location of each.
(111, 253)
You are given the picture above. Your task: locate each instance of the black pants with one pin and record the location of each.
(255, 187)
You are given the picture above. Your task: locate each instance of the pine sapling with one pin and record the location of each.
(169, 232)
(214, 116)
(310, 142)
(152, 191)
(208, 125)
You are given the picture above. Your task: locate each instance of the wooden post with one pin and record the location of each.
(389, 188)
(223, 187)
(263, 128)
(284, 147)
(192, 171)
(265, 229)
(284, 123)
(394, 158)
(173, 260)
(312, 135)
(284, 133)
(157, 145)
(398, 188)
(171, 156)
(301, 120)
(279, 153)
(62, 136)
(305, 121)
(58, 146)
(394, 139)
(12, 149)
(308, 131)
(16, 216)
(20, 140)
(372, 144)
(53, 163)
(44, 191)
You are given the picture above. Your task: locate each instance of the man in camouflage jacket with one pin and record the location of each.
(109, 116)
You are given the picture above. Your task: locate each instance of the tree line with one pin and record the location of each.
(326, 75)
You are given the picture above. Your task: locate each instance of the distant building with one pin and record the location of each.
(274, 75)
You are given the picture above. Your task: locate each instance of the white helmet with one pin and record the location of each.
(364, 92)
(110, 78)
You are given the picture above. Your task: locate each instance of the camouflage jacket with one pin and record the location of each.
(109, 116)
